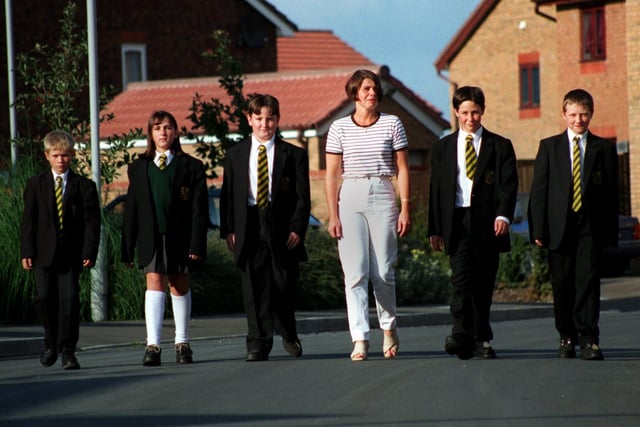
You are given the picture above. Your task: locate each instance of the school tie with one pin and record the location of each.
(162, 161)
(263, 178)
(472, 158)
(577, 176)
(58, 192)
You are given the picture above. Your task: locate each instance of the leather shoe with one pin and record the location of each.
(152, 356)
(48, 357)
(184, 354)
(69, 361)
(458, 347)
(591, 352)
(256, 356)
(294, 348)
(484, 350)
(567, 349)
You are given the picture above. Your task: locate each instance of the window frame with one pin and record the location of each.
(140, 48)
(593, 37)
(530, 68)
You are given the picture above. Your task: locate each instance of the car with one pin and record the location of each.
(618, 260)
(117, 206)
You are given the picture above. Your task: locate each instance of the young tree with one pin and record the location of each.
(214, 117)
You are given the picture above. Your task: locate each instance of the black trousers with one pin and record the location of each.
(268, 287)
(58, 306)
(474, 265)
(575, 278)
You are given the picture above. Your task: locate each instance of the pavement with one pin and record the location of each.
(619, 293)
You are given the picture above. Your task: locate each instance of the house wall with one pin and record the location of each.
(633, 99)
(490, 60)
(175, 33)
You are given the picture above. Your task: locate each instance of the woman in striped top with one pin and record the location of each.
(366, 150)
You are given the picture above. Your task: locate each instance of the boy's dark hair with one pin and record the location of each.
(578, 96)
(158, 117)
(355, 81)
(468, 93)
(259, 101)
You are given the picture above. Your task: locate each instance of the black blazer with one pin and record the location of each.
(290, 199)
(550, 198)
(187, 219)
(81, 221)
(493, 194)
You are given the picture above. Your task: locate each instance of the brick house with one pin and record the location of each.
(140, 41)
(526, 54)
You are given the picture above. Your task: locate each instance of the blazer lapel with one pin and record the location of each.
(590, 154)
(486, 150)
(241, 180)
(279, 159)
(451, 158)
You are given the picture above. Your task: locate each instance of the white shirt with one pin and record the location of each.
(169, 155)
(64, 179)
(253, 167)
(463, 189)
(582, 145)
(367, 150)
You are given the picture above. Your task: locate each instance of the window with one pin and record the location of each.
(529, 80)
(593, 35)
(134, 63)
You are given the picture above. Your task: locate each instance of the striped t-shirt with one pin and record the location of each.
(367, 151)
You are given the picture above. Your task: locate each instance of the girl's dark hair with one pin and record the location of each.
(468, 93)
(355, 81)
(158, 117)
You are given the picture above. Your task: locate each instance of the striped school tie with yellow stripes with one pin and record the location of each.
(577, 176)
(471, 157)
(262, 198)
(58, 193)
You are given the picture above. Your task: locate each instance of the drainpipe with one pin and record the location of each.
(455, 85)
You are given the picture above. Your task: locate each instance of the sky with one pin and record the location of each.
(406, 35)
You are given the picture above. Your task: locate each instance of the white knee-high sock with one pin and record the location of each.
(181, 316)
(154, 314)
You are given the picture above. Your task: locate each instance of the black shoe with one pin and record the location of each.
(48, 357)
(151, 356)
(256, 356)
(458, 347)
(69, 361)
(591, 352)
(567, 349)
(484, 350)
(184, 353)
(294, 348)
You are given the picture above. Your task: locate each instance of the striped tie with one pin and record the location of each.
(59, 200)
(162, 161)
(471, 157)
(577, 176)
(263, 178)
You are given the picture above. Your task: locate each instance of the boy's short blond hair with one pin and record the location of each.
(59, 140)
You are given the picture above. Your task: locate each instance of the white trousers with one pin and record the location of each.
(368, 251)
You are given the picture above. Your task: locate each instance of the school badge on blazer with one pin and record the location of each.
(489, 177)
(285, 183)
(185, 193)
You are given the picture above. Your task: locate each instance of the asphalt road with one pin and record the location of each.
(526, 386)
